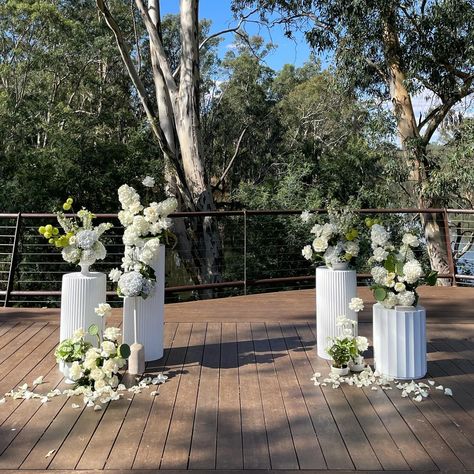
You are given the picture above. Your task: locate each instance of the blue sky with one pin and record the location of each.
(288, 51)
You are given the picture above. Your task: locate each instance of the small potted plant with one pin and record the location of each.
(361, 345)
(341, 349)
(71, 350)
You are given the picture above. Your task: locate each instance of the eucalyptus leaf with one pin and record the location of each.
(380, 294)
(93, 330)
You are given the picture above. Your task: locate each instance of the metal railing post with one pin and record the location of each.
(449, 250)
(245, 251)
(11, 272)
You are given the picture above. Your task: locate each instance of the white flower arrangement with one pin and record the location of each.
(145, 229)
(335, 241)
(99, 367)
(396, 272)
(80, 242)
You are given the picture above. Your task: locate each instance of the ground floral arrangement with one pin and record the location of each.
(417, 391)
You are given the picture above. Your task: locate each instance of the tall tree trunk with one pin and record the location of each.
(176, 126)
(415, 149)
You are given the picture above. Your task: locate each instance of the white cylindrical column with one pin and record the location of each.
(334, 291)
(399, 338)
(81, 293)
(150, 314)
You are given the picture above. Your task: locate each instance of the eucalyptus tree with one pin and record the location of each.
(394, 49)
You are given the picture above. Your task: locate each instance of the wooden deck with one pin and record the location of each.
(239, 397)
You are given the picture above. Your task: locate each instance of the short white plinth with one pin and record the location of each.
(81, 293)
(400, 341)
(334, 291)
(150, 314)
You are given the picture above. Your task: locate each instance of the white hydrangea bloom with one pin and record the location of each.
(412, 271)
(356, 304)
(305, 216)
(328, 230)
(390, 301)
(379, 274)
(148, 181)
(380, 254)
(316, 229)
(151, 213)
(411, 240)
(362, 344)
(125, 218)
(352, 247)
(131, 283)
(71, 254)
(85, 239)
(406, 298)
(168, 206)
(78, 334)
(379, 235)
(115, 274)
(307, 252)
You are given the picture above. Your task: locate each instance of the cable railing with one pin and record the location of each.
(260, 251)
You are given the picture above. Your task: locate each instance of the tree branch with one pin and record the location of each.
(232, 160)
(159, 50)
(137, 82)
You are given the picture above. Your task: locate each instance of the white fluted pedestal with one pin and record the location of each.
(399, 338)
(150, 314)
(334, 291)
(81, 293)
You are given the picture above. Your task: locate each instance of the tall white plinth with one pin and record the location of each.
(81, 293)
(400, 341)
(334, 291)
(150, 314)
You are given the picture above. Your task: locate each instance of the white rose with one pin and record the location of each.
(399, 287)
(307, 252)
(112, 334)
(90, 364)
(110, 367)
(113, 381)
(103, 310)
(320, 244)
(75, 371)
(316, 229)
(328, 230)
(78, 334)
(97, 374)
(99, 384)
(108, 348)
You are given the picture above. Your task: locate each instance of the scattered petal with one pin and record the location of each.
(38, 381)
(152, 394)
(439, 387)
(75, 405)
(97, 408)
(431, 382)
(418, 398)
(2, 401)
(448, 391)
(50, 453)
(374, 388)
